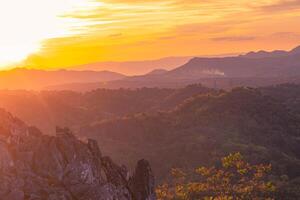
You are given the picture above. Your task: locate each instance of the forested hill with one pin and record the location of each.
(256, 122)
(185, 128)
(46, 109)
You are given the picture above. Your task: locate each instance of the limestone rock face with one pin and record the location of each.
(142, 182)
(34, 166)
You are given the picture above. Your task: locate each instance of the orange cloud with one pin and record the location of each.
(122, 30)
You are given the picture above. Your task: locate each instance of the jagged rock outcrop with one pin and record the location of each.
(142, 182)
(34, 166)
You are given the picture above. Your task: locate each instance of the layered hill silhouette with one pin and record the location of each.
(185, 128)
(259, 64)
(263, 124)
(179, 125)
(252, 69)
(136, 67)
(276, 53)
(46, 109)
(155, 116)
(37, 79)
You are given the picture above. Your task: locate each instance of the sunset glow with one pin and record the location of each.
(25, 25)
(60, 33)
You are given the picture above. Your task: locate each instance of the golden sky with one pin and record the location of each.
(50, 34)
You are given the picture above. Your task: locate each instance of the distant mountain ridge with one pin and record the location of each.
(252, 69)
(31, 79)
(259, 64)
(136, 67)
(157, 72)
(276, 53)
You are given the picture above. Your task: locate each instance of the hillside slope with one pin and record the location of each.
(206, 128)
(47, 109)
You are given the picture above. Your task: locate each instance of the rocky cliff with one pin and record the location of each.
(34, 166)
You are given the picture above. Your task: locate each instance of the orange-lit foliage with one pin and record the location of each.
(235, 179)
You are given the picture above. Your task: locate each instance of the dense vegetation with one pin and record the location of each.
(235, 179)
(259, 123)
(47, 109)
(183, 128)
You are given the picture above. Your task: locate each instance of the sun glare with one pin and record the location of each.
(25, 24)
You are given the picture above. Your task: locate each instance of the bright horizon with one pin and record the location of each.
(52, 34)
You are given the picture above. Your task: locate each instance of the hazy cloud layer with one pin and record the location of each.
(283, 5)
(234, 39)
(145, 29)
